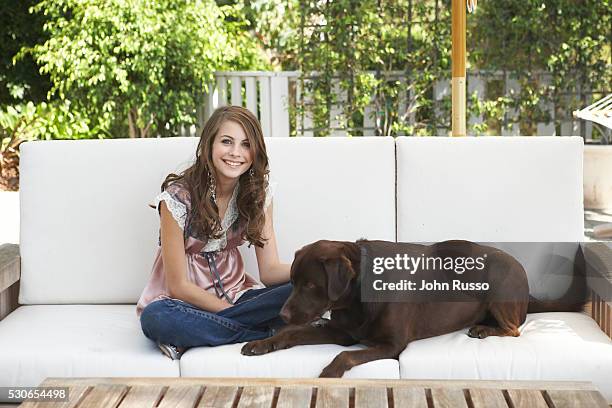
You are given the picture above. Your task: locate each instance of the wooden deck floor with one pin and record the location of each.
(319, 393)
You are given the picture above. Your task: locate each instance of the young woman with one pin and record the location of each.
(199, 293)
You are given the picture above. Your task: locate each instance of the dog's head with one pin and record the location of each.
(321, 274)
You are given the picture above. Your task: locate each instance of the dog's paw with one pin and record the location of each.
(258, 347)
(331, 372)
(478, 332)
(335, 369)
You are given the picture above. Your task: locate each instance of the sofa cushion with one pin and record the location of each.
(296, 362)
(77, 341)
(94, 239)
(519, 194)
(552, 346)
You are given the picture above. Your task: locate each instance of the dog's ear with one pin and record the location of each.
(340, 272)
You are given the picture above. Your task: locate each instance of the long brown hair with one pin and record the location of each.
(251, 196)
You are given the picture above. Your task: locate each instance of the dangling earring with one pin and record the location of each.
(251, 172)
(212, 187)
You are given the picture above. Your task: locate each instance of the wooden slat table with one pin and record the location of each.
(318, 393)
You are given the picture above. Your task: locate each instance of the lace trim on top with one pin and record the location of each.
(176, 208)
(231, 214)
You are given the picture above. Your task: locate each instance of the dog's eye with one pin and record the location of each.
(310, 285)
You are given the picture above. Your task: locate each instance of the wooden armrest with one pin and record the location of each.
(598, 260)
(10, 272)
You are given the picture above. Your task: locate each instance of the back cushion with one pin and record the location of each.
(88, 236)
(508, 191)
(337, 188)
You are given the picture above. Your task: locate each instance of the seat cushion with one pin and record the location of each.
(77, 341)
(296, 362)
(552, 346)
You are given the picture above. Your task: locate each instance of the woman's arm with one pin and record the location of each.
(271, 271)
(175, 267)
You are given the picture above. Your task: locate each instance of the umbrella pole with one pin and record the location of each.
(458, 13)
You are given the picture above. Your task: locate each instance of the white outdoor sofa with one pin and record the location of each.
(88, 238)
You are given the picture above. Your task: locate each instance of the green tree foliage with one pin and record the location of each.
(20, 80)
(138, 67)
(276, 26)
(360, 43)
(569, 40)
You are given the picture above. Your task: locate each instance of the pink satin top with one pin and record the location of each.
(228, 259)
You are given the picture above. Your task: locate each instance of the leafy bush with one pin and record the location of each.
(139, 67)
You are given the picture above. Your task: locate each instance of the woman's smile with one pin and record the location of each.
(233, 163)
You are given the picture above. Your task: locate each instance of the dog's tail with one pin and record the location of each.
(574, 298)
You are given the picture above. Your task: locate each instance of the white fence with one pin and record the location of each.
(266, 94)
(270, 96)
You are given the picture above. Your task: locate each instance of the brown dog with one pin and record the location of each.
(325, 277)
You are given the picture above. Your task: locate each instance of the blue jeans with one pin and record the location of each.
(252, 317)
